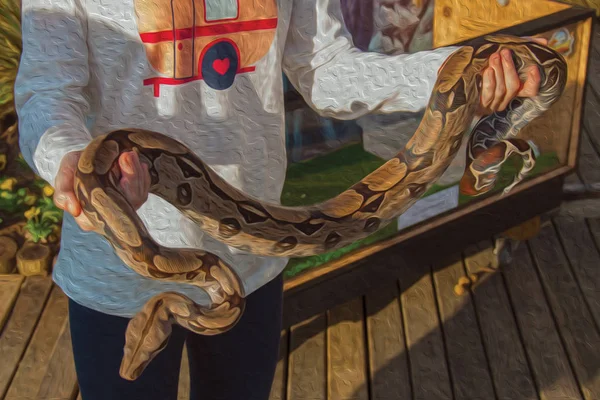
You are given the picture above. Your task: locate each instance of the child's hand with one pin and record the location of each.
(501, 82)
(135, 184)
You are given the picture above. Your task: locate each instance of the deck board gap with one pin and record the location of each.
(365, 336)
(27, 342)
(534, 379)
(479, 328)
(572, 271)
(404, 337)
(559, 332)
(442, 331)
(5, 318)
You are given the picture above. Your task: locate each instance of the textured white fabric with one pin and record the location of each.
(82, 74)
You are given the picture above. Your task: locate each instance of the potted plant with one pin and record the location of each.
(42, 231)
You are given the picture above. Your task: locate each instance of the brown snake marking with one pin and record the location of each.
(232, 217)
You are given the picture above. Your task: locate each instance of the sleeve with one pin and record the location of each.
(49, 87)
(338, 80)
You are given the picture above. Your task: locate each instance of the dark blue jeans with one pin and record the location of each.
(235, 365)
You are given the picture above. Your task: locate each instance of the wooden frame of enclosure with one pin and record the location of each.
(356, 273)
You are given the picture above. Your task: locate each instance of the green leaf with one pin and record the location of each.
(53, 216)
(38, 230)
(6, 195)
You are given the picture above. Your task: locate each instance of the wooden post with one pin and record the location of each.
(8, 251)
(34, 259)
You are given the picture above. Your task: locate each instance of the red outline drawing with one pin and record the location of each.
(227, 30)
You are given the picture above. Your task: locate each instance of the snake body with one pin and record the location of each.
(229, 215)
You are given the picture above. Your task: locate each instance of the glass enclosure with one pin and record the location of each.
(327, 156)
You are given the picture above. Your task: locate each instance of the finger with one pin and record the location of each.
(64, 192)
(129, 163)
(134, 189)
(488, 87)
(132, 181)
(131, 188)
(532, 83)
(500, 91)
(511, 79)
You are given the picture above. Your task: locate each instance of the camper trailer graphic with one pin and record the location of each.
(212, 40)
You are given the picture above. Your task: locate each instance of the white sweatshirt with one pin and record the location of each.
(92, 66)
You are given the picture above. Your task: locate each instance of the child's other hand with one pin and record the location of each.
(135, 184)
(501, 83)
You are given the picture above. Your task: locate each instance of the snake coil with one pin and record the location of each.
(229, 215)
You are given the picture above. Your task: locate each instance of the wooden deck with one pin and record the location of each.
(528, 330)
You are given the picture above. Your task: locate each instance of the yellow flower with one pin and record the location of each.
(32, 212)
(48, 190)
(30, 200)
(2, 161)
(8, 184)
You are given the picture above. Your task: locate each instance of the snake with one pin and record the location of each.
(269, 229)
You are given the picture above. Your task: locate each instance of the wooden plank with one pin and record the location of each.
(466, 355)
(573, 183)
(584, 258)
(60, 380)
(388, 358)
(307, 377)
(510, 371)
(20, 325)
(35, 362)
(278, 388)
(346, 352)
(575, 324)
(594, 63)
(458, 20)
(594, 224)
(9, 289)
(589, 163)
(591, 112)
(583, 208)
(429, 368)
(582, 3)
(548, 359)
(579, 61)
(183, 388)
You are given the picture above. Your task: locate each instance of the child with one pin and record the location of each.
(91, 66)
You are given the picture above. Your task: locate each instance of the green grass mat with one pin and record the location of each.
(324, 177)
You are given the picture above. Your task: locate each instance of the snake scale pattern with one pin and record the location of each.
(229, 215)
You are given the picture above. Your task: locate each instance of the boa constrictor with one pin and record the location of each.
(232, 217)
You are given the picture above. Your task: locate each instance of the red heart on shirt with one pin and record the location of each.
(221, 66)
